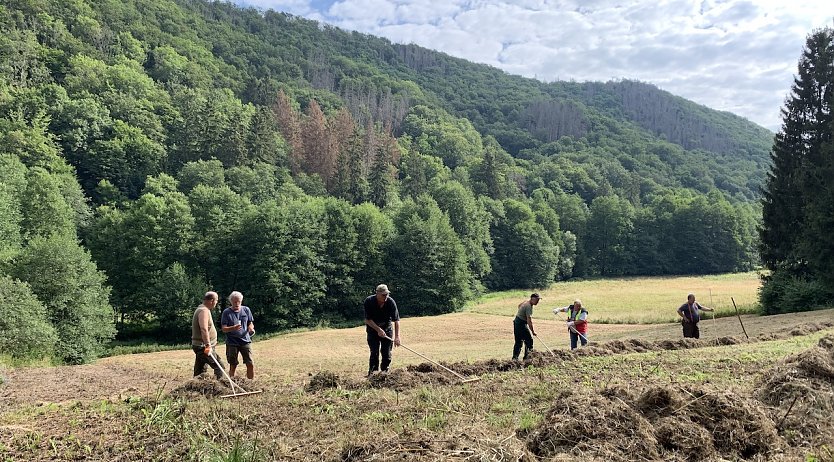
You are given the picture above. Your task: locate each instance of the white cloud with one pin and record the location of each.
(734, 55)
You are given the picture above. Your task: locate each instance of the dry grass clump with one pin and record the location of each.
(681, 439)
(661, 423)
(587, 426)
(420, 445)
(542, 359)
(203, 385)
(322, 380)
(740, 426)
(801, 388)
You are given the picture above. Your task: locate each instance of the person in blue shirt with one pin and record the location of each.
(690, 313)
(239, 325)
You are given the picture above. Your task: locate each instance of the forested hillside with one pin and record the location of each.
(151, 149)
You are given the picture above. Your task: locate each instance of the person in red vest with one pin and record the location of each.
(690, 313)
(577, 323)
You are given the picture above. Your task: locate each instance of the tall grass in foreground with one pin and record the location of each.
(633, 300)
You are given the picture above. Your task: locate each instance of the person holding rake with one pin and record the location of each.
(577, 322)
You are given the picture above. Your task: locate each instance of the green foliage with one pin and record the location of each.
(426, 261)
(376, 231)
(211, 139)
(785, 293)
(138, 245)
(61, 274)
(796, 239)
(201, 172)
(44, 210)
(281, 262)
(470, 221)
(27, 332)
(10, 219)
(525, 256)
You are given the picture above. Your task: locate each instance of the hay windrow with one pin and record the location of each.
(541, 359)
(662, 423)
(585, 425)
(322, 381)
(681, 439)
(203, 385)
(801, 390)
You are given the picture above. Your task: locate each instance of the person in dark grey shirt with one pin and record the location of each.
(382, 326)
(690, 313)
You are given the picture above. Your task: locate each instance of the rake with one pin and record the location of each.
(462, 378)
(573, 329)
(545, 345)
(232, 382)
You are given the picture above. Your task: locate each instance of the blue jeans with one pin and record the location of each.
(575, 337)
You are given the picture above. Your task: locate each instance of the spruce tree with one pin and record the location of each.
(796, 211)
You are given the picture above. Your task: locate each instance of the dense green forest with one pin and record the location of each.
(153, 149)
(797, 232)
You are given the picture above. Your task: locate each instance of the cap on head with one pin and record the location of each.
(577, 302)
(535, 295)
(382, 289)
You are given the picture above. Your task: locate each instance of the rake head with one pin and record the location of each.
(243, 393)
(470, 379)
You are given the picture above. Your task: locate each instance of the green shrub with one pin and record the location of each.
(27, 332)
(786, 293)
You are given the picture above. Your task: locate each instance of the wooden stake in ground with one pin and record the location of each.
(739, 319)
(713, 310)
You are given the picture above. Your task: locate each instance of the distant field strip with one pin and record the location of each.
(633, 300)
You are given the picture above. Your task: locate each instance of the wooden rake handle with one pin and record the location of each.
(429, 359)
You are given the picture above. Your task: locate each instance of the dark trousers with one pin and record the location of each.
(201, 359)
(522, 335)
(378, 344)
(575, 338)
(690, 330)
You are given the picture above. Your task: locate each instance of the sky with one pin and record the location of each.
(735, 55)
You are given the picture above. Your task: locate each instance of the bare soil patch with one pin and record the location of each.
(86, 382)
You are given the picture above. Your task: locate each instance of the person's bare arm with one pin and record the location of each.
(530, 325)
(397, 333)
(375, 326)
(234, 328)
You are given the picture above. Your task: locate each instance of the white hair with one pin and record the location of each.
(577, 302)
(235, 295)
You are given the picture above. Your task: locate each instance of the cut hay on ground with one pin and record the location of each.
(800, 388)
(207, 386)
(662, 423)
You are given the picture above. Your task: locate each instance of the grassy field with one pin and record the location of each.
(118, 408)
(122, 407)
(633, 300)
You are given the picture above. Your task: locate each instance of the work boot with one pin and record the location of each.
(515, 358)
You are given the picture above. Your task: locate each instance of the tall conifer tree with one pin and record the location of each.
(796, 211)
